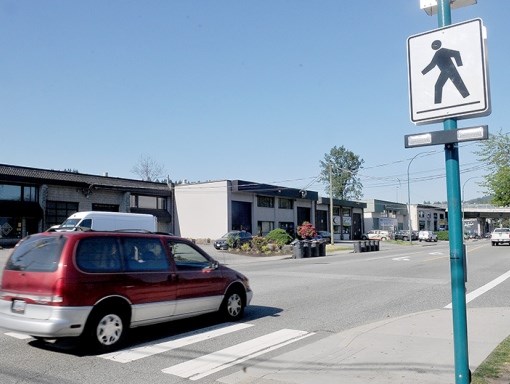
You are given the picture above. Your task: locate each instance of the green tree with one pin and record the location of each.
(494, 153)
(344, 166)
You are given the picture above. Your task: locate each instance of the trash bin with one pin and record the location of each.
(363, 246)
(307, 248)
(322, 248)
(357, 246)
(297, 251)
(371, 245)
(376, 245)
(314, 247)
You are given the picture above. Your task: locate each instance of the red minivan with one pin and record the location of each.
(97, 285)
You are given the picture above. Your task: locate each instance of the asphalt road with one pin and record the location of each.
(299, 301)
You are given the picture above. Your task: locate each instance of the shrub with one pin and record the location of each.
(306, 230)
(443, 235)
(279, 236)
(258, 243)
(233, 241)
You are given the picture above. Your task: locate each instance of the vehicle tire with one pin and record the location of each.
(232, 308)
(106, 330)
(383, 239)
(405, 238)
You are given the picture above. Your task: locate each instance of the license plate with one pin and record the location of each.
(19, 306)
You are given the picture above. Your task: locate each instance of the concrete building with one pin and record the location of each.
(213, 208)
(385, 215)
(392, 217)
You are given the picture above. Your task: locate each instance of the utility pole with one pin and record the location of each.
(457, 255)
(331, 223)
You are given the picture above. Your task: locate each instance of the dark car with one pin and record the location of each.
(404, 235)
(234, 239)
(324, 235)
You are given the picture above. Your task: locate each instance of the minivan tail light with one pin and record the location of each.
(57, 296)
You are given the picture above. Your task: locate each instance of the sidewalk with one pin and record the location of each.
(416, 348)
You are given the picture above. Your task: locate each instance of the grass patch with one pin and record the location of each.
(496, 367)
(333, 248)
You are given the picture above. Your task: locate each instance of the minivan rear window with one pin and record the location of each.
(36, 254)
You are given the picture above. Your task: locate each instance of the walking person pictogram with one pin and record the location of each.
(443, 59)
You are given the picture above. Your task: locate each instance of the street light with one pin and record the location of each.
(409, 196)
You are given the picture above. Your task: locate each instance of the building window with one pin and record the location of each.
(264, 227)
(30, 194)
(58, 211)
(148, 202)
(10, 192)
(285, 203)
(265, 201)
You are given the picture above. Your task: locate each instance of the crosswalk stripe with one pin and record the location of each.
(206, 365)
(128, 355)
(16, 335)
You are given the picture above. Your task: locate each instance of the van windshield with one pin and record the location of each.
(36, 254)
(70, 223)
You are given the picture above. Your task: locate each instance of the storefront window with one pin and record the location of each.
(10, 227)
(10, 192)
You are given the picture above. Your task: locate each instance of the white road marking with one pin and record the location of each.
(402, 258)
(487, 287)
(128, 355)
(20, 336)
(217, 361)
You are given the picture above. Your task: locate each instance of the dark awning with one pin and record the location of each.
(20, 209)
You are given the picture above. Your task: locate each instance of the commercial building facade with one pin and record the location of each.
(213, 208)
(32, 200)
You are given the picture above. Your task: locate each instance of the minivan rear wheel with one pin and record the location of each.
(106, 330)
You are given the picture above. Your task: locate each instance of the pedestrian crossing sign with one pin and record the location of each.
(448, 73)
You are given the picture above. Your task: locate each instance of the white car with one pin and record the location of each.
(427, 236)
(376, 234)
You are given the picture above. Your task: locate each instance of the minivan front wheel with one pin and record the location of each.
(233, 305)
(106, 330)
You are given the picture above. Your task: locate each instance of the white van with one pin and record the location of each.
(109, 221)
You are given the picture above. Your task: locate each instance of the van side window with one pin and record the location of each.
(86, 223)
(145, 254)
(99, 254)
(187, 258)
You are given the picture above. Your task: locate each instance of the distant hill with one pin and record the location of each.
(478, 200)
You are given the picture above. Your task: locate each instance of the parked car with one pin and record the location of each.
(376, 234)
(324, 235)
(404, 235)
(427, 236)
(95, 286)
(235, 238)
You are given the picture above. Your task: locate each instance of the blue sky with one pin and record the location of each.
(254, 90)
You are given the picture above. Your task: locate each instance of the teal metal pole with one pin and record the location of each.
(455, 230)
